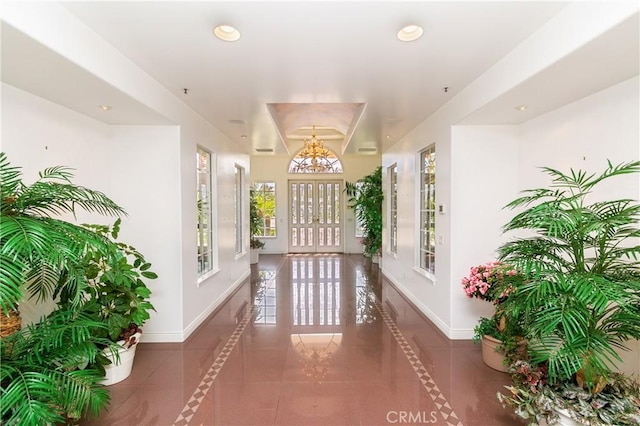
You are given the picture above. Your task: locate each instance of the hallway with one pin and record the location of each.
(311, 339)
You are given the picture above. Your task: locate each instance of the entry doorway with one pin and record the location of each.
(315, 216)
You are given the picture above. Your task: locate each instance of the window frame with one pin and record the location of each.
(208, 217)
(426, 214)
(259, 187)
(239, 202)
(392, 172)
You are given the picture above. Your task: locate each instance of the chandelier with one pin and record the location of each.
(315, 351)
(314, 157)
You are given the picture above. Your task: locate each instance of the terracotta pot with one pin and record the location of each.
(492, 356)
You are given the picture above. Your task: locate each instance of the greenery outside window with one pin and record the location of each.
(239, 197)
(393, 209)
(359, 223)
(265, 197)
(427, 253)
(204, 223)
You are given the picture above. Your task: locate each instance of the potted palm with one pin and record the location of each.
(48, 370)
(38, 248)
(581, 300)
(366, 197)
(255, 228)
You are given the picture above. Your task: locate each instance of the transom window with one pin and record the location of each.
(427, 253)
(327, 162)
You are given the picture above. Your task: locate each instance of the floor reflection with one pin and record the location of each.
(325, 340)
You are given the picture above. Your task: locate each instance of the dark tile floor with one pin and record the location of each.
(321, 339)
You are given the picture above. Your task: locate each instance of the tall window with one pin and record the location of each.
(428, 209)
(393, 208)
(265, 196)
(239, 195)
(204, 197)
(359, 224)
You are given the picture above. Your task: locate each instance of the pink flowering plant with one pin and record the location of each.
(493, 282)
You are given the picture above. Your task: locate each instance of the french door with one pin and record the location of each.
(315, 222)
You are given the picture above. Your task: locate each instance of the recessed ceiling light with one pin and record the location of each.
(243, 136)
(105, 107)
(388, 136)
(226, 33)
(410, 33)
(521, 107)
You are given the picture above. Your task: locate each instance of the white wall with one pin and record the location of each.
(145, 180)
(37, 134)
(439, 299)
(274, 169)
(182, 302)
(583, 135)
(484, 169)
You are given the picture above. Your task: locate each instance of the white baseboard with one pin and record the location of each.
(181, 337)
(453, 334)
(161, 337)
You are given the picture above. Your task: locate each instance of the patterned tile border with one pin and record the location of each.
(427, 381)
(191, 407)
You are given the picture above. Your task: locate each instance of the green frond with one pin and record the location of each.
(40, 373)
(582, 296)
(41, 250)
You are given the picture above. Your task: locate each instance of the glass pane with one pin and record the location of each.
(321, 236)
(294, 204)
(329, 205)
(303, 200)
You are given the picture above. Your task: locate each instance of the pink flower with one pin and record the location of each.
(484, 280)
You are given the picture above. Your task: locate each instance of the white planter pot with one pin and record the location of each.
(115, 373)
(254, 256)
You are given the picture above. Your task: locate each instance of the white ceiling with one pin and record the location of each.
(316, 54)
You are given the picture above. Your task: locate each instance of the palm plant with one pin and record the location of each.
(366, 198)
(39, 249)
(42, 382)
(581, 300)
(40, 378)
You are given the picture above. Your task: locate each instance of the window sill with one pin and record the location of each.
(426, 274)
(392, 254)
(240, 255)
(202, 278)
